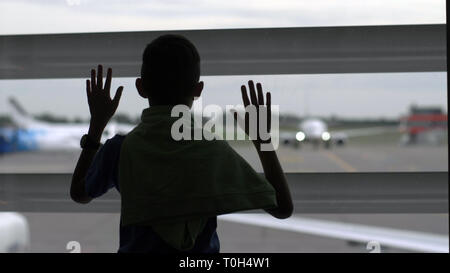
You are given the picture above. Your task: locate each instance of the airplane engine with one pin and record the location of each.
(14, 233)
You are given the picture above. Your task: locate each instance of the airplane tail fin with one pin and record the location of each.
(18, 114)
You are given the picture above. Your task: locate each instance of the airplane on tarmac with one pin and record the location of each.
(316, 131)
(30, 134)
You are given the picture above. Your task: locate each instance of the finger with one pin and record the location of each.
(88, 90)
(269, 110)
(100, 77)
(252, 93)
(241, 122)
(117, 96)
(93, 86)
(108, 81)
(247, 123)
(260, 94)
(235, 115)
(244, 95)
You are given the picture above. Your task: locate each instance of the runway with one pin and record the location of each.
(356, 158)
(97, 231)
(351, 158)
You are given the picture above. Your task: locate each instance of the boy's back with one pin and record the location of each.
(102, 175)
(174, 186)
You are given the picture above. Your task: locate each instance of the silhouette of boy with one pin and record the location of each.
(172, 191)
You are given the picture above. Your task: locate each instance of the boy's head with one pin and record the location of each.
(170, 71)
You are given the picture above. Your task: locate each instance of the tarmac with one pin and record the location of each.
(98, 232)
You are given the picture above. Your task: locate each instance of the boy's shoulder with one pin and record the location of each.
(116, 139)
(114, 143)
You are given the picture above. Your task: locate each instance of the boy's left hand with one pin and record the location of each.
(256, 100)
(101, 106)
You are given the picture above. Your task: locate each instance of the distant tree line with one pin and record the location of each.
(6, 120)
(286, 120)
(292, 121)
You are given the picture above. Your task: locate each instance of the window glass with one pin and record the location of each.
(380, 122)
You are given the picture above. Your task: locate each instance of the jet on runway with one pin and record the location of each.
(29, 134)
(316, 131)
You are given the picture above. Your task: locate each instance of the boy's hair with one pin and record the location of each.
(170, 69)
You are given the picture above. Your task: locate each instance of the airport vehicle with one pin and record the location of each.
(425, 125)
(30, 134)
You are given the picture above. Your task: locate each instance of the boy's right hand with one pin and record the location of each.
(256, 100)
(101, 106)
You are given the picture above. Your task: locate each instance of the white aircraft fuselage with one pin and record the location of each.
(29, 134)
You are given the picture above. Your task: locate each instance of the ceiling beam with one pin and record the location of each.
(308, 50)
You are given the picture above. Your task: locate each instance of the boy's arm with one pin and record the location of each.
(275, 175)
(102, 108)
(77, 189)
(269, 160)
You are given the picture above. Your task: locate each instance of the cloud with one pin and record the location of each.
(348, 95)
(43, 16)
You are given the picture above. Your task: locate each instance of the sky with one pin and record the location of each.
(348, 95)
(56, 16)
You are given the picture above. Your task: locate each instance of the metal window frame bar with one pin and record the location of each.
(261, 51)
(396, 192)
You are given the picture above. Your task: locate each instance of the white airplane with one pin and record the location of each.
(315, 131)
(30, 134)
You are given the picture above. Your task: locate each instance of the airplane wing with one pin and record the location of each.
(343, 135)
(370, 235)
(288, 137)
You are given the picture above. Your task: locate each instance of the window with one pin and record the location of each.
(361, 87)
